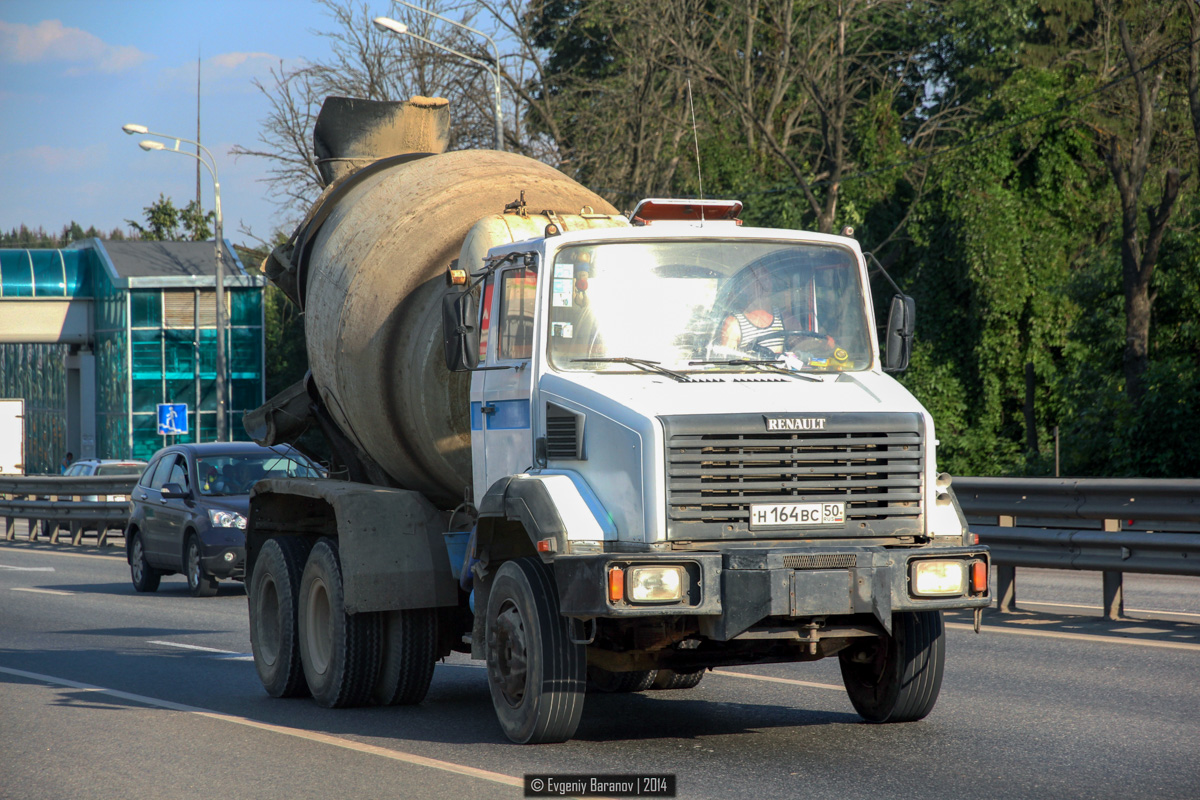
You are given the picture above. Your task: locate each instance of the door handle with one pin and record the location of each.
(485, 409)
(142, 496)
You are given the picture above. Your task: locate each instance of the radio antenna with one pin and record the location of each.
(696, 142)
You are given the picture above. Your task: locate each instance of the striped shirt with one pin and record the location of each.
(770, 337)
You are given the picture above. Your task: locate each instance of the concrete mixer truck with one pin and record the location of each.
(596, 452)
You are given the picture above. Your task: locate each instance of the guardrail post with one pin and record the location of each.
(1006, 577)
(1114, 582)
(31, 525)
(10, 526)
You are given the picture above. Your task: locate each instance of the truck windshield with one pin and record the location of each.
(707, 306)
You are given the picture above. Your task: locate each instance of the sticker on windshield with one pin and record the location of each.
(564, 270)
(562, 293)
(563, 330)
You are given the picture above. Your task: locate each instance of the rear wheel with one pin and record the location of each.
(897, 678)
(274, 596)
(200, 583)
(601, 680)
(339, 651)
(145, 577)
(536, 674)
(408, 654)
(670, 679)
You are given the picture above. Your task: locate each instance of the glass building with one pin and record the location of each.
(93, 337)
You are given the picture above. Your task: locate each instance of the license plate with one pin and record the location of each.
(788, 515)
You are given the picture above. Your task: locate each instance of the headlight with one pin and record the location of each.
(938, 578)
(655, 584)
(226, 519)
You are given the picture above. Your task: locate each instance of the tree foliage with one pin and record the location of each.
(1028, 170)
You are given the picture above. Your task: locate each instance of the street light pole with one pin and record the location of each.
(389, 24)
(221, 321)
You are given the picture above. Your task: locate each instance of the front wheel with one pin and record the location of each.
(145, 577)
(200, 583)
(536, 674)
(897, 678)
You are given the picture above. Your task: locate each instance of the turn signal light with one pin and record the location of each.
(979, 577)
(616, 585)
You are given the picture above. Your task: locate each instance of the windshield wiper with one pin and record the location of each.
(762, 364)
(640, 363)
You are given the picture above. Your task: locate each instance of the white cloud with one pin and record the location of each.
(50, 40)
(226, 72)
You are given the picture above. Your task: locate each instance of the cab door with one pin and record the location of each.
(501, 430)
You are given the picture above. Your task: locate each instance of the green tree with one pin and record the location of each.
(162, 221)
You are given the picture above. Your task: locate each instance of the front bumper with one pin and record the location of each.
(223, 553)
(735, 589)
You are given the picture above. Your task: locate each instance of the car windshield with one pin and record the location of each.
(120, 469)
(707, 306)
(236, 474)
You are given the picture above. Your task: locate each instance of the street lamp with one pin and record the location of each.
(389, 24)
(150, 145)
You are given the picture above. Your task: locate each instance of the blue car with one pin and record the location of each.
(189, 511)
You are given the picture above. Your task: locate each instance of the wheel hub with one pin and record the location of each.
(511, 656)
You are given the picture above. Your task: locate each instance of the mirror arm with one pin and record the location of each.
(879, 268)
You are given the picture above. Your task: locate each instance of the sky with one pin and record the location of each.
(72, 72)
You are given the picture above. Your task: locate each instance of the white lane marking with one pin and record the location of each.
(40, 591)
(118, 552)
(27, 569)
(312, 736)
(1101, 608)
(223, 655)
(769, 679)
(1082, 637)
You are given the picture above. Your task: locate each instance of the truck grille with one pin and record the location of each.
(872, 463)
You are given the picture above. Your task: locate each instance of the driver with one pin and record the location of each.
(760, 324)
(759, 327)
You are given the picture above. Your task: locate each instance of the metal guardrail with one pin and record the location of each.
(49, 502)
(1111, 526)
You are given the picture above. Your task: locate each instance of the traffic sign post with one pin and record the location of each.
(172, 419)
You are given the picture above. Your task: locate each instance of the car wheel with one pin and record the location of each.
(145, 577)
(200, 583)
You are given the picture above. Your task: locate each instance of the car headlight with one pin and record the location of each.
(226, 519)
(938, 578)
(655, 584)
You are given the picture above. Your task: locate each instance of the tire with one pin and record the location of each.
(536, 674)
(897, 678)
(200, 583)
(145, 577)
(670, 679)
(339, 651)
(601, 680)
(274, 597)
(408, 653)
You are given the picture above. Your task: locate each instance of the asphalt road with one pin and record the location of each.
(106, 694)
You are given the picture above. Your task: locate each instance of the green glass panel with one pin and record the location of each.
(145, 309)
(245, 396)
(182, 391)
(48, 274)
(147, 354)
(247, 307)
(208, 427)
(179, 355)
(146, 395)
(15, 274)
(208, 393)
(246, 352)
(208, 353)
(146, 440)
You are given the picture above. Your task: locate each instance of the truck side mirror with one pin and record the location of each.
(460, 331)
(900, 326)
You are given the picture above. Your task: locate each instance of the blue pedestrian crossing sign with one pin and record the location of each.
(172, 418)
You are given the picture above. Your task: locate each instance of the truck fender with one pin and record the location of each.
(553, 504)
(390, 540)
